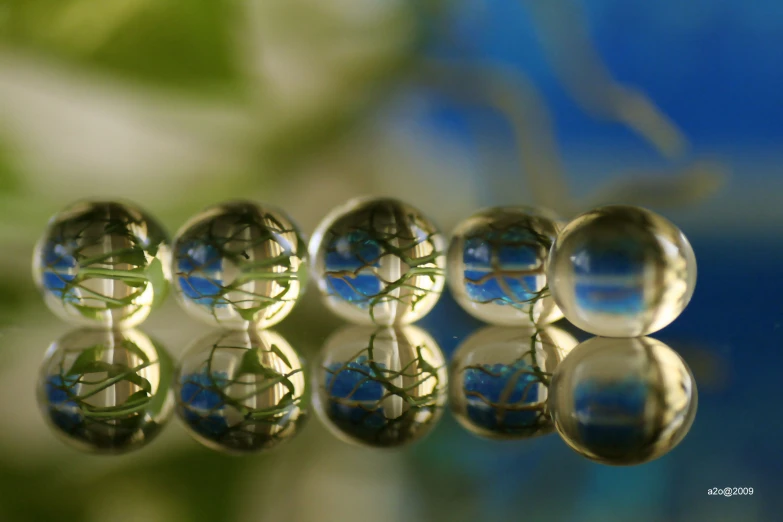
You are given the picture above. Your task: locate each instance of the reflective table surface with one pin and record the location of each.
(446, 419)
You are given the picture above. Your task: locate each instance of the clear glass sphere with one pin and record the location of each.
(102, 264)
(378, 261)
(499, 380)
(497, 266)
(106, 391)
(621, 271)
(239, 265)
(380, 387)
(623, 401)
(240, 392)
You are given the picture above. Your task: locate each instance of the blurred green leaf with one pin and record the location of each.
(132, 256)
(9, 177)
(88, 311)
(134, 349)
(127, 374)
(115, 372)
(86, 359)
(280, 354)
(158, 281)
(249, 314)
(166, 372)
(252, 364)
(140, 396)
(16, 293)
(186, 45)
(93, 366)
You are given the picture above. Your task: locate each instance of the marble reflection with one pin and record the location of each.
(380, 387)
(499, 380)
(241, 391)
(623, 401)
(106, 391)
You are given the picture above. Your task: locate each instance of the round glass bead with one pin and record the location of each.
(106, 391)
(621, 271)
(102, 263)
(499, 380)
(239, 265)
(623, 401)
(380, 387)
(240, 392)
(378, 260)
(497, 266)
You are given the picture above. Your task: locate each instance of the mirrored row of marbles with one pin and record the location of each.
(615, 271)
(239, 265)
(615, 401)
(234, 265)
(112, 391)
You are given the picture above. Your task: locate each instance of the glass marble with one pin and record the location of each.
(378, 261)
(623, 401)
(380, 387)
(239, 265)
(106, 391)
(499, 380)
(621, 271)
(102, 264)
(241, 392)
(497, 266)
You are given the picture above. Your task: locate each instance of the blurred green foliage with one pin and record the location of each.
(203, 485)
(181, 45)
(9, 177)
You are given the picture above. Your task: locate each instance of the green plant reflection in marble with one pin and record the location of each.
(241, 392)
(381, 387)
(497, 266)
(378, 261)
(500, 380)
(239, 265)
(106, 391)
(102, 263)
